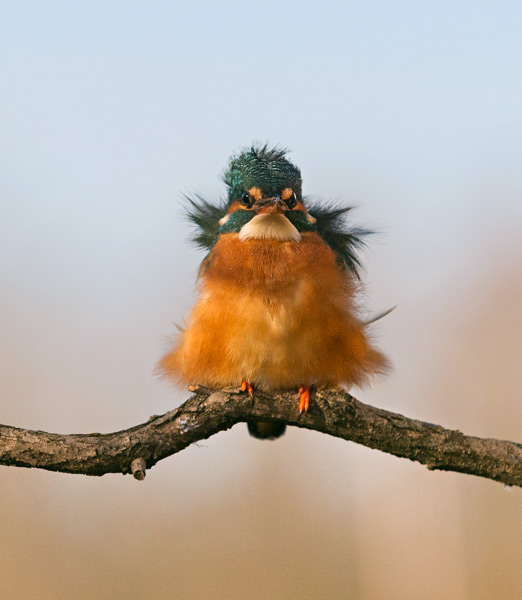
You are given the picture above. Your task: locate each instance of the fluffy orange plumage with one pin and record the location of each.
(277, 314)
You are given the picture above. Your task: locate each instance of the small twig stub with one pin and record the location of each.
(139, 468)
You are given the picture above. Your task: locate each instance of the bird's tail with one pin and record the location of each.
(266, 430)
(379, 316)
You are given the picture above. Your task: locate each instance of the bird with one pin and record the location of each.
(278, 304)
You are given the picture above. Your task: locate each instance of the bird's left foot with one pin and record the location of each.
(246, 387)
(304, 398)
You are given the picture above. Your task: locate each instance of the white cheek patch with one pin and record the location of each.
(270, 226)
(223, 220)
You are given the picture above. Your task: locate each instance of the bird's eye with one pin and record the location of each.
(292, 201)
(247, 200)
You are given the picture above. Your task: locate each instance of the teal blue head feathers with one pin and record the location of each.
(261, 167)
(262, 179)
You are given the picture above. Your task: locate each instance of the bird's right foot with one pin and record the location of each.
(246, 387)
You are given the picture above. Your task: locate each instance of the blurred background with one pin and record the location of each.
(108, 113)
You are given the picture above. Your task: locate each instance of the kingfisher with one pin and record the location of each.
(277, 307)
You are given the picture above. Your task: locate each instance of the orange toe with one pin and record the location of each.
(304, 398)
(246, 387)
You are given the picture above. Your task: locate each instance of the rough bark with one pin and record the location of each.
(207, 412)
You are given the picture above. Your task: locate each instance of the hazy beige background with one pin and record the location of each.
(108, 113)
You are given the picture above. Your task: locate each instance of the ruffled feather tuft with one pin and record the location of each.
(205, 216)
(344, 240)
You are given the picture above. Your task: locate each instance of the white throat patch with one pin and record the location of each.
(270, 226)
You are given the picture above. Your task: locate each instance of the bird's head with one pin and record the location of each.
(264, 197)
(265, 202)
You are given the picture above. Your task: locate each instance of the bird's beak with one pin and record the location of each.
(270, 206)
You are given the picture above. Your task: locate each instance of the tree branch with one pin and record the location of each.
(209, 411)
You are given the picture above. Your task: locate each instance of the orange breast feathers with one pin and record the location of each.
(276, 314)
